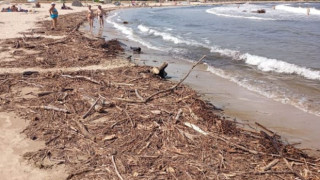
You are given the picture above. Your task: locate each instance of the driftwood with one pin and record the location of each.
(81, 77)
(84, 131)
(78, 173)
(160, 71)
(292, 170)
(90, 109)
(28, 73)
(40, 94)
(53, 108)
(193, 154)
(163, 91)
(270, 165)
(115, 168)
(178, 115)
(199, 130)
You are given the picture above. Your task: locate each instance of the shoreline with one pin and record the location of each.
(171, 169)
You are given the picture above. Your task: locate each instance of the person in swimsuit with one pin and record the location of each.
(54, 15)
(90, 17)
(14, 8)
(100, 13)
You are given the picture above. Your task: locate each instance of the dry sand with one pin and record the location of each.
(13, 23)
(12, 145)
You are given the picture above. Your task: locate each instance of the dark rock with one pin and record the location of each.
(136, 49)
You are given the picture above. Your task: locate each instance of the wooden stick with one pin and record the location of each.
(44, 93)
(178, 115)
(270, 165)
(90, 109)
(266, 129)
(78, 173)
(115, 168)
(196, 128)
(81, 77)
(138, 95)
(292, 170)
(84, 130)
(52, 108)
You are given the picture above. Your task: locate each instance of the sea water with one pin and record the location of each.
(275, 54)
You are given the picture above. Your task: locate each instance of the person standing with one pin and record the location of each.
(100, 13)
(54, 15)
(90, 17)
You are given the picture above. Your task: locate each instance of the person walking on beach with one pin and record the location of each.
(90, 17)
(54, 15)
(100, 13)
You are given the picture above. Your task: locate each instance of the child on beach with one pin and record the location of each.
(100, 13)
(54, 15)
(90, 17)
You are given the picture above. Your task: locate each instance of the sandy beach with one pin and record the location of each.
(73, 107)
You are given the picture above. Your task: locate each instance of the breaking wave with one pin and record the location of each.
(129, 33)
(297, 10)
(262, 63)
(213, 11)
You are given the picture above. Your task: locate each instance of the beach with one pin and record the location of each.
(86, 111)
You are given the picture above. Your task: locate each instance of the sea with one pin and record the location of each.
(275, 54)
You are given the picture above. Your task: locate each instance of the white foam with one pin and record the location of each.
(297, 10)
(129, 33)
(267, 65)
(211, 11)
(165, 36)
(271, 93)
(227, 12)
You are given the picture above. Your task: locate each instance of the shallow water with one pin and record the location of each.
(275, 54)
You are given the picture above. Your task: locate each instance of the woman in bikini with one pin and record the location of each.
(100, 13)
(54, 15)
(90, 17)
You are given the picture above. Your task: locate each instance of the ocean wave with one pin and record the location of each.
(262, 63)
(269, 65)
(213, 11)
(129, 33)
(297, 10)
(265, 91)
(165, 36)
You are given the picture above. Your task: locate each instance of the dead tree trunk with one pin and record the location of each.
(160, 71)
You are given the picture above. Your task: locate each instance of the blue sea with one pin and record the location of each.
(275, 54)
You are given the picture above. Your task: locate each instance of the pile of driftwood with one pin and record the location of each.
(72, 49)
(128, 123)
